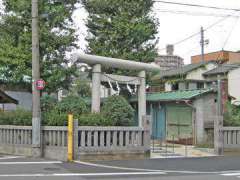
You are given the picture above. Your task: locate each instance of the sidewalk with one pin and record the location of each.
(177, 150)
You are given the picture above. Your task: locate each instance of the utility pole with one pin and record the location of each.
(202, 43)
(36, 112)
(218, 121)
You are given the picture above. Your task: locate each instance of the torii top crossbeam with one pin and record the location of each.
(114, 62)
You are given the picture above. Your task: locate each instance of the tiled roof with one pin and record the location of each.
(174, 95)
(220, 70)
(179, 71)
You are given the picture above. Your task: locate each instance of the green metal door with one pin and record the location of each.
(158, 121)
(179, 123)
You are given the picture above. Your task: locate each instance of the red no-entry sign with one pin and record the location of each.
(40, 84)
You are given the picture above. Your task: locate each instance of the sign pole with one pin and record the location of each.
(70, 137)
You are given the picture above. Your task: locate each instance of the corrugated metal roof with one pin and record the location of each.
(4, 98)
(174, 95)
(220, 70)
(179, 71)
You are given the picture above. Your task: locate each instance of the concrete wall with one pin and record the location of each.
(22, 150)
(206, 110)
(199, 121)
(197, 73)
(234, 83)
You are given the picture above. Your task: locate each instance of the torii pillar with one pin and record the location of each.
(96, 85)
(141, 97)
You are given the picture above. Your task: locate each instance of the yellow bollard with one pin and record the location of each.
(70, 137)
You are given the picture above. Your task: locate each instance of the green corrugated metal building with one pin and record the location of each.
(177, 115)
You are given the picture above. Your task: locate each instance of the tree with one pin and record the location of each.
(118, 110)
(232, 115)
(57, 37)
(121, 29)
(81, 85)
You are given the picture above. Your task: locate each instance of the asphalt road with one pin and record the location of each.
(213, 168)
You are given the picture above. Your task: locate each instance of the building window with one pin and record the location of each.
(200, 85)
(175, 87)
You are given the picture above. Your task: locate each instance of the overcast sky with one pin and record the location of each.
(183, 21)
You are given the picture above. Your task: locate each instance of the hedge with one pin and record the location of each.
(116, 111)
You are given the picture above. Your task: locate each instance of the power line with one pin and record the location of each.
(191, 13)
(217, 22)
(198, 5)
(183, 40)
(230, 33)
(195, 34)
(224, 44)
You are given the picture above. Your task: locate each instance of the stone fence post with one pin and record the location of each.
(146, 124)
(218, 135)
(75, 139)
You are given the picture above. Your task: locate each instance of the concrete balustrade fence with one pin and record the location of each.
(55, 136)
(89, 142)
(15, 139)
(112, 141)
(15, 135)
(111, 138)
(231, 137)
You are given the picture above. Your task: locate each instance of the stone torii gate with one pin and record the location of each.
(98, 61)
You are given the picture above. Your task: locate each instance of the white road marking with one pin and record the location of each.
(9, 157)
(154, 170)
(29, 162)
(116, 167)
(82, 174)
(231, 174)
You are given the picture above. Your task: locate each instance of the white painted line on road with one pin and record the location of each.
(154, 170)
(10, 157)
(29, 162)
(231, 174)
(82, 174)
(116, 167)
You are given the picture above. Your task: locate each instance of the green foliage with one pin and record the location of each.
(72, 104)
(57, 37)
(94, 119)
(205, 145)
(121, 29)
(81, 88)
(48, 103)
(17, 117)
(118, 110)
(232, 116)
(55, 114)
(54, 118)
